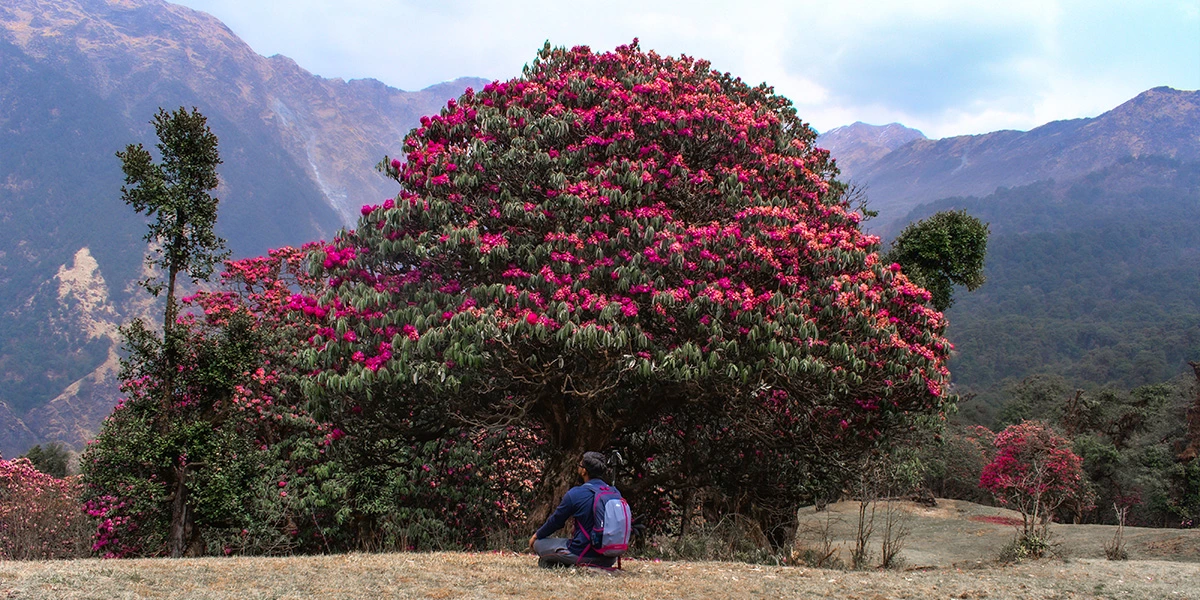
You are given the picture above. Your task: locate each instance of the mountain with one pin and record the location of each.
(859, 146)
(1093, 279)
(80, 79)
(1091, 268)
(1161, 121)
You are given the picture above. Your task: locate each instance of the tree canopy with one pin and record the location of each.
(175, 192)
(943, 251)
(613, 239)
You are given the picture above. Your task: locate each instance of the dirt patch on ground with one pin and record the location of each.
(1006, 521)
(955, 533)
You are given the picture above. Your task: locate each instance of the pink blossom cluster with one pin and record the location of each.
(114, 524)
(40, 515)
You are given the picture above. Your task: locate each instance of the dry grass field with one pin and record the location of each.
(950, 554)
(458, 575)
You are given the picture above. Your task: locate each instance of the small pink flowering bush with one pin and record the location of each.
(223, 435)
(1034, 472)
(40, 516)
(263, 474)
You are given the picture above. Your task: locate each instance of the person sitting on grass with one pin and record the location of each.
(578, 502)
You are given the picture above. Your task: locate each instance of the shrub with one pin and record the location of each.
(1034, 472)
(40, 516)
(954, 466)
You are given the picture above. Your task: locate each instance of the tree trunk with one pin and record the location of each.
(686, 518)
(1191, 445)
(170, 312)
(578, 434)
(184, 537)
(182, 527)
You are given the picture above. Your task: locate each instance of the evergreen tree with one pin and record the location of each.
(943, 251)
(175, 193)
(50, 459)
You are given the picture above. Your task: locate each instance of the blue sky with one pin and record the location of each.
(944, 67)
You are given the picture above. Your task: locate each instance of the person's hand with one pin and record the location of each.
(639, 526)
(532, 539)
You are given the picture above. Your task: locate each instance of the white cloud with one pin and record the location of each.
(946, 67)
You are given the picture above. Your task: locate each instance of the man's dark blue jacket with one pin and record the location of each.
(577, 502)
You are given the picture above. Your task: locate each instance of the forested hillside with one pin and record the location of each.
(1094, 279)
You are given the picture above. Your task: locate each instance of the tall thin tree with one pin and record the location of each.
(175, 193)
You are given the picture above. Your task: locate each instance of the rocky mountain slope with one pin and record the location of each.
(1161, 121)
(80, 79)
(860, 145)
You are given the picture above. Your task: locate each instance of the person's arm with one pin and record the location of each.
(557, 519)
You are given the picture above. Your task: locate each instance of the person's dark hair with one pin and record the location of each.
(595, 464)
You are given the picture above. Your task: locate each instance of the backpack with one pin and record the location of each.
(611, 521)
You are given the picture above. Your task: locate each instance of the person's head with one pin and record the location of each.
(593, 465)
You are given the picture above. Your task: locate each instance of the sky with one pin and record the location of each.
(943, 67)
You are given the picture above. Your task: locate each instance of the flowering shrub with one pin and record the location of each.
(40, 516)
(609, 240)
(213, 445)
(263, 474)
(1034, 472)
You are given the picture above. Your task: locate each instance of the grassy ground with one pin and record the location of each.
(950, 553)
(457, 575)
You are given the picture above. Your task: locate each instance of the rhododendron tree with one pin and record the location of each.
(609, 240)
(1034, 472)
